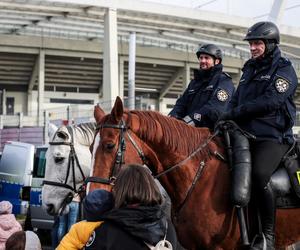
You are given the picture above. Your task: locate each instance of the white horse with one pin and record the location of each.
(68, 162)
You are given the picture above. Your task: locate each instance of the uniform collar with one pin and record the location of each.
(269, 61)
(200, 74)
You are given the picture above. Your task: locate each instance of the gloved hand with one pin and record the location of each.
(222, 120)
(188, 120)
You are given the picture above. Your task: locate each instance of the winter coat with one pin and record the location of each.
(206, 96)
(263, 103)
(129, 228)
(94, 205)
(8, 226)
(78, 235)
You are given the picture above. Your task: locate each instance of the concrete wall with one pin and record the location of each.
(20, 101)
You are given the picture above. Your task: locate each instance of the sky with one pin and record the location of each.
(257, 9)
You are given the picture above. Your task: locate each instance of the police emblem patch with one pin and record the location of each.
(281, 85)
(197, 117)
(222, 95)
(91, 239)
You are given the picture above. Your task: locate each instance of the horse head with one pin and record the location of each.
(68, 162)
(118, 144)
(143, 137)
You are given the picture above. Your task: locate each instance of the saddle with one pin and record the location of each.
(239, 160)
(286, 195)
(285, 181)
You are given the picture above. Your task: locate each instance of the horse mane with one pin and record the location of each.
(85, 132)
(173, 131)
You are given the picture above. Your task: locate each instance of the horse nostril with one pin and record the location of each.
(50, 209)
(59, 159)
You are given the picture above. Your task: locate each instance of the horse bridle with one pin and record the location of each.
(71, 167)
(119, 160)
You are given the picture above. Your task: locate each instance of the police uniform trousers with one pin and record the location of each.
(266, 157)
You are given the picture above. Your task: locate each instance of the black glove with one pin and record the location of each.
(222, 120)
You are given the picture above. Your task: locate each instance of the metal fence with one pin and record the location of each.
(28, 128)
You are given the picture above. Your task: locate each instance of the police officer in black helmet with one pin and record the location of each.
(263, 105)
(208, 93)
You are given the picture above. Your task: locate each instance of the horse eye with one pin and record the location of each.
(110, 146)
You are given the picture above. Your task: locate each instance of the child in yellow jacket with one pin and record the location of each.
(96, 203)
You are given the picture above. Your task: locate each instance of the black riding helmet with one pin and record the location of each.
(265, 31)
(210, 49)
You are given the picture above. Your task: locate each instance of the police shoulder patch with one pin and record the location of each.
(281, 85)
(91, 239)
(222, 95)
(197, 116)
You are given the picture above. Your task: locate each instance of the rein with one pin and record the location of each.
(197, 175)
(202, 146)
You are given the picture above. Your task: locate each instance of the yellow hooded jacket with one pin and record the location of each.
(78, 235)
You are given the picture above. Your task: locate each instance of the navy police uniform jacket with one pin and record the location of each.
(263, 103)
(207, 95)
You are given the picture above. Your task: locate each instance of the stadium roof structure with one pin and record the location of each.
(158, 24)
(155, 25)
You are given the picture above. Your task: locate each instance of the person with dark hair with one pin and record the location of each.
(95, 204)
(16, 241)
(23, 240)
(263, 106)
(208, 94)
(137, 219)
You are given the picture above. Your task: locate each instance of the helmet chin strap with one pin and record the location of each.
(270, 46)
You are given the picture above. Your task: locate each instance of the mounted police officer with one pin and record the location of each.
(263, 106)
(208, 93)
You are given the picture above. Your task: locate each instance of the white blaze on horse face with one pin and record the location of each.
(96, 145)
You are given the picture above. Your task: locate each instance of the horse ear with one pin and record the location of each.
(117, 111)
(52, 128)
(98, 113)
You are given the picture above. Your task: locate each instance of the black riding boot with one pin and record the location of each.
(267, 209)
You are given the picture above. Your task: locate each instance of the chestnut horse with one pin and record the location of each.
(197, 179)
